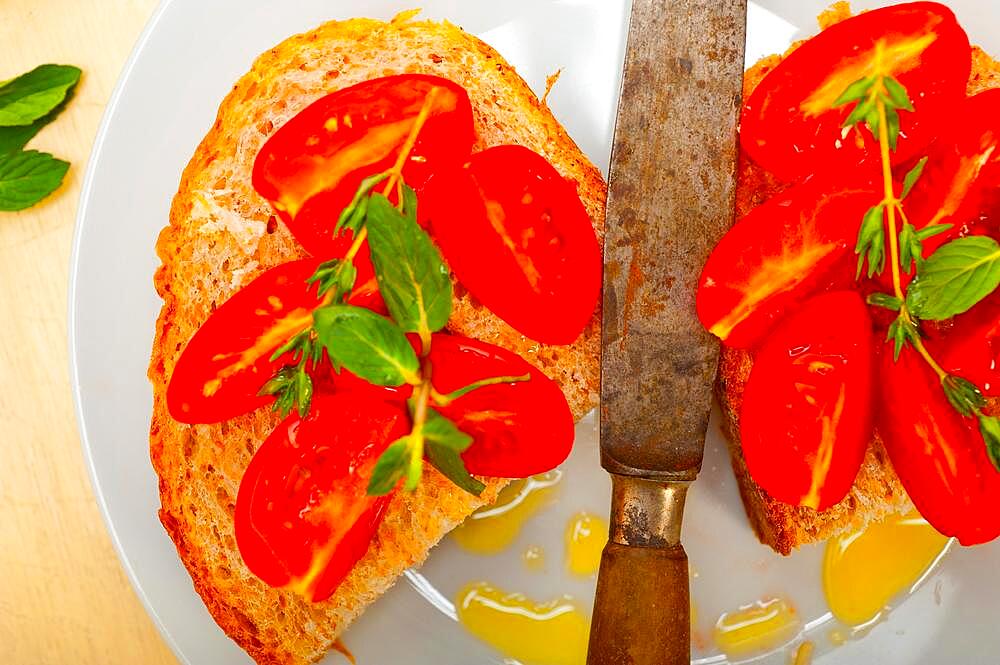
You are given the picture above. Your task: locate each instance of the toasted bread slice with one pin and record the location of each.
(877, 492)
(222, 234)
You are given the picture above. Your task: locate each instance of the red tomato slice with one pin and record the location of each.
(807, 409)
(789, 124)
(516, 234)
(518, 429)
(227, 361)
(959, 183)
(303, 516)
(311, 167)
(971, 348)
(940, 456)
(799, 242)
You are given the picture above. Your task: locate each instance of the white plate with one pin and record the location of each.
(186, 60)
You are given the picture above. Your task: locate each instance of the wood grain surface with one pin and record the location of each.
(64, 597)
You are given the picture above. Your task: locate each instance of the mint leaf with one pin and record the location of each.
(892, 127)
(911, 249)
(897, 94)
(409, 203)
(861, 112)
(963, 395)
(855, 91)
(28, 177)
(901, 332)
(353, 216)
(390, 467)
(933, 230)
(33, 95)
(292, 388)
(955, 277)
(989, 427)
(411, 273)
(367, 344)
(445, 444)
(911, 178)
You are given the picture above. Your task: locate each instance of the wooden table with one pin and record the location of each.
(64, 597)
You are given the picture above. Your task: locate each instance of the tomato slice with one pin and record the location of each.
(795, 244)
(303, 516)
(959, 183)
(789, 124)
(227, 361)
(517, 236)
(940, 456)
(518, 429)
(311, 167)
(806, 419)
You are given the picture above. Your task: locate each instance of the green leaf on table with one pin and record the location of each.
(28, 177)
(444, 445)
(33, 95)
(369, 345)
(955, 277)
(411, 274)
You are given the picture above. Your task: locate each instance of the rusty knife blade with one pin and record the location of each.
(670, 198)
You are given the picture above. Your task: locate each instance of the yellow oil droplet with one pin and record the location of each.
(756, 628)
(492, 529)
(586, 536)
(864, 571)
(804, 654)
(341, 648)
(534, 558)
(552, 633)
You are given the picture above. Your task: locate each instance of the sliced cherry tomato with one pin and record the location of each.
(312, 166)
(958, 185)
(939, 455)
(795, 244)
(227, 361)
(807, 409)
(303, 516)
(970, 348)
(518, 429)
(790, 125)
(516, 234)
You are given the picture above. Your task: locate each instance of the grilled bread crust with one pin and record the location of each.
(222, 234)
(877, 492)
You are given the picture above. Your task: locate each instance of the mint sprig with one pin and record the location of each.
(368, 344)
(955, 277)
(32, 95)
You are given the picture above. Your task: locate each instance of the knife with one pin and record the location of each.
(670, 198)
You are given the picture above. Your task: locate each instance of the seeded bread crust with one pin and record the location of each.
(222, 234)
(877, 492)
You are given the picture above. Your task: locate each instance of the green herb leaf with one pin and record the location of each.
(885, 300)
(860, 112)
(901, 332)
(33, 95)
(911, 178)
(336, 275)
(897, 93)
(390, 467)
(444, 400)
(892, 127)
(963, 395)
(409, 203)
(933, 230)
(989, 426)
(445, 444)
(911, 249)
(13, 139)
(28, 177)
(353, 216)
(855, 91)
(871, 242)
(411, 273)
(293, 389)
(955, 277)
(369, 345)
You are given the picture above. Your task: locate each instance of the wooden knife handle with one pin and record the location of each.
(642, 612)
